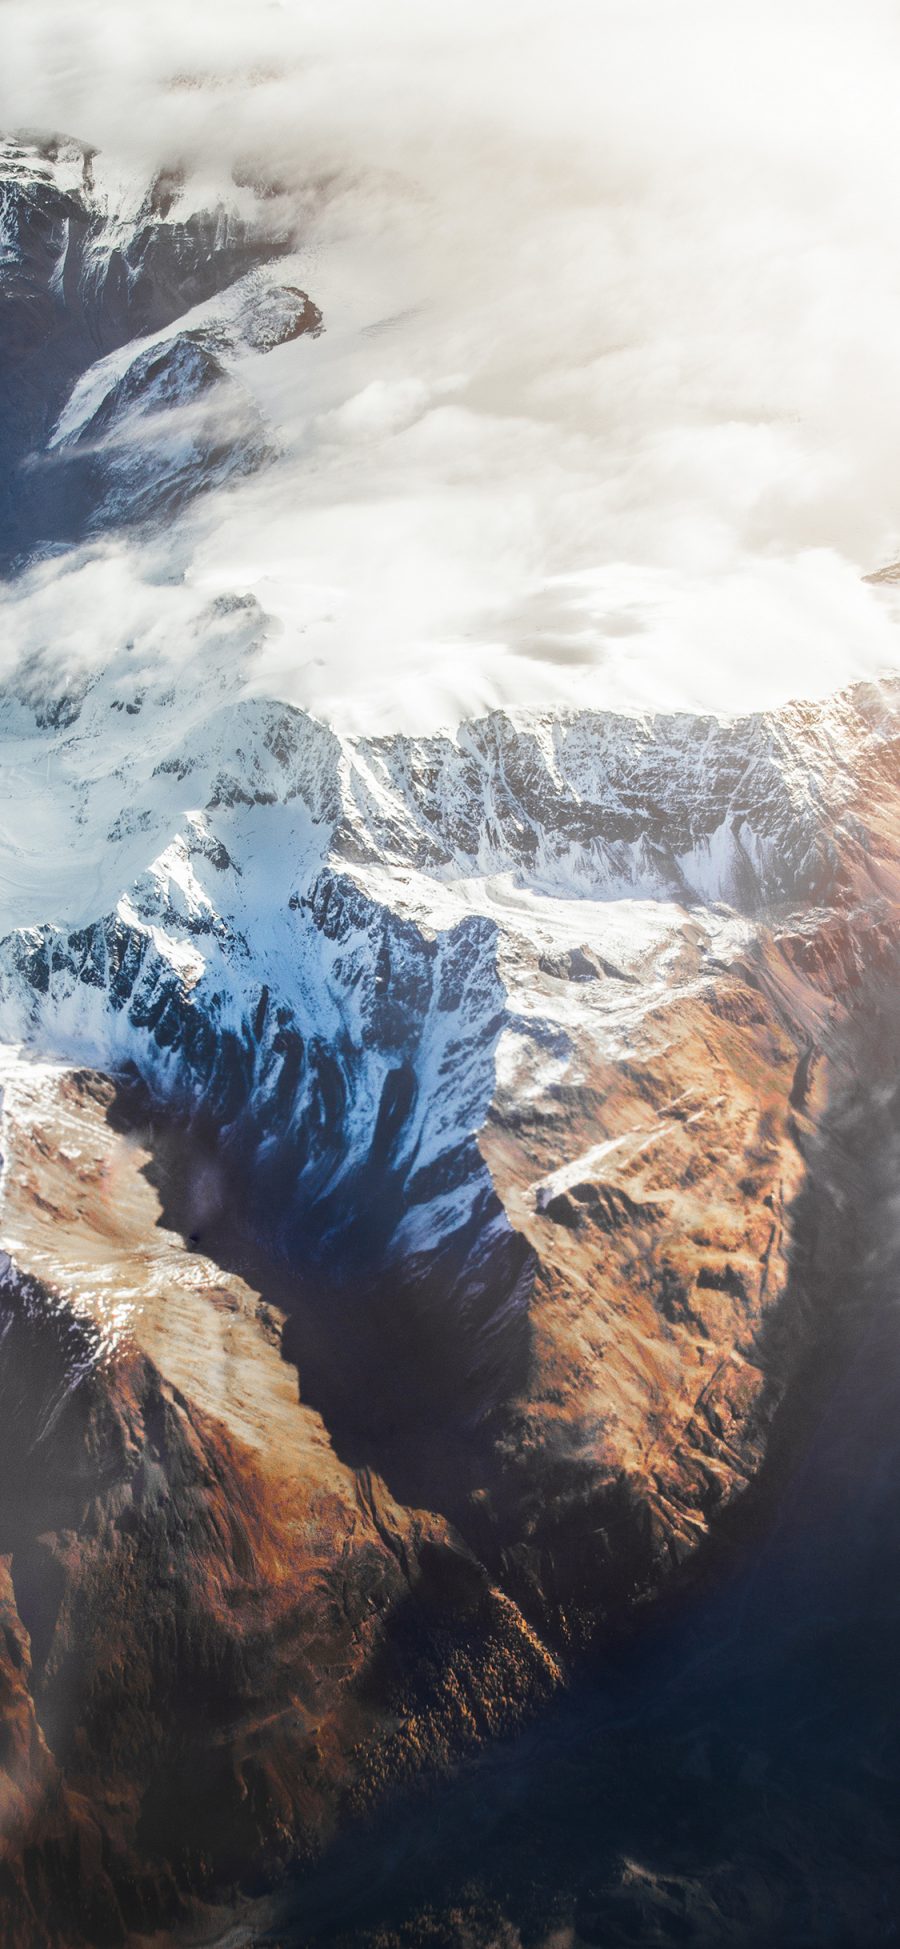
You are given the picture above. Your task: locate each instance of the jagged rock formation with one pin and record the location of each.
(511, 1169)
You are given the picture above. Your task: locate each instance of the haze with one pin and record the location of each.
(606, 408)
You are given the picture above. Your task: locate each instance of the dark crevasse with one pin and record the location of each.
(406, 1366)
(731, 1772)
(342, 1178)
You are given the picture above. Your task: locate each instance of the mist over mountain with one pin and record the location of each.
(602, 410)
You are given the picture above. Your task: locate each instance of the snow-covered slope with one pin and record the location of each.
(333, 948)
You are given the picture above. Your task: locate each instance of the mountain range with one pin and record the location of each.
(431, 1169)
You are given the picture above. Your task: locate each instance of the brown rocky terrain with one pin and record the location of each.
(201, 1602)
(729, 1773)
(220, 1639)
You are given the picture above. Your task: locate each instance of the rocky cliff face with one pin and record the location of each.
(402, 1140)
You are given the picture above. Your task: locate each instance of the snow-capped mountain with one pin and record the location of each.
(343, 953)
(328, 940)
(405, 1138)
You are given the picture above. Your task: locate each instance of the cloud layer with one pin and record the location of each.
(606, 409)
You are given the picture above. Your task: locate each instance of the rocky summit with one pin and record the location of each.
(433, 1173)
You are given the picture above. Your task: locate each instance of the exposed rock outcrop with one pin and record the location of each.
(524, 1238)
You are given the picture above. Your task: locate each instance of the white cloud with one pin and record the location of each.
(607, 403)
